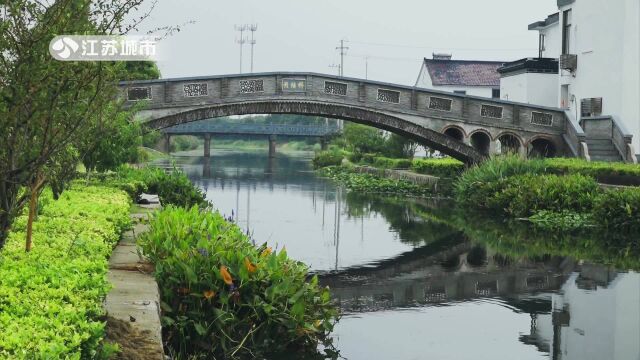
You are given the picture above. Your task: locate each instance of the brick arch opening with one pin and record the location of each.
(454, 132)
(481, 141)
(509, 143)
(541, 147)
(380, 120)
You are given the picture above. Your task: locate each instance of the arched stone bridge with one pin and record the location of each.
(464, 127)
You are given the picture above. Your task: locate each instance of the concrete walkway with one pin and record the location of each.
(134, 297)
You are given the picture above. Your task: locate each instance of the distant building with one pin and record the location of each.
(597, 44)
(468, 77)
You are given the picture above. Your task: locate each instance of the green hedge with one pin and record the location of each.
(620, 210)
(51, 298)
(173, 188)
(447, 167)
(327, 158)
(595, 169)
(222, 296)
(389, 163)
(525, 195)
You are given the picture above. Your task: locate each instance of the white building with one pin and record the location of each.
(467, 77)
(598, 46)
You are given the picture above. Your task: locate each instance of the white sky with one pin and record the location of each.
(301, 35)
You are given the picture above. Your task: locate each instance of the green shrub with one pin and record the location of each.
(619, 210)
(482, 181)
(221, 295)
(524, 195)
(595, 168)
(388, 163)
(327, 158)
(447, 167)
(173, 188)
(51, 298)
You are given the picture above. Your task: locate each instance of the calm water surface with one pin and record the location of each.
(410, 283)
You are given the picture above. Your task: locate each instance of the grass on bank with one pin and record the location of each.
(521, 188)
(51, 298)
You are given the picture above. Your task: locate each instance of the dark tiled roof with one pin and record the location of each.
(464, 72)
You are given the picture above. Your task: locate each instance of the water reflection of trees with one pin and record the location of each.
(402, 215)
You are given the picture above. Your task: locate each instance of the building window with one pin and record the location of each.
(541, 46)
(566, 31)
(495, 93)
(139, 93)
(460, 92)
(389, 96)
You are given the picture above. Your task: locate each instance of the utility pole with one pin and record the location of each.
(366, 68)
(343, 50)
(253, 28)
(241, 41)
(336, 67)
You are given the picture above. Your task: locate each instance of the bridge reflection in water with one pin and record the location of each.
(450, 287)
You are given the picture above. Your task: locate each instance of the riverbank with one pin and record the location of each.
(560, 194)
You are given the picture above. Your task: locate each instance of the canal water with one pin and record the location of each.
(417, 280)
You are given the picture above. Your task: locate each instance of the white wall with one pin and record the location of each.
(605, 36)
(531, 88)
(553, 41)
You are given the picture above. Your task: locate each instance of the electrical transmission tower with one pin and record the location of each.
(343, 51)
(253, 28)
(241, 41)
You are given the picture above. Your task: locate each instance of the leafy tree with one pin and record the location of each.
(118, 145)
(363, 139)
(397, 146)
(141, 70)
(48, 107)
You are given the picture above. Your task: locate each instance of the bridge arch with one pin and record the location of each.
(480, 140)
(510, 142)
(379, 119)
(541, 146)
(455, 132)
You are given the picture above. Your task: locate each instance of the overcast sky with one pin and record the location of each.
(301, 35)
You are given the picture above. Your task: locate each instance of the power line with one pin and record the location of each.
(336, 66)
(432, 47)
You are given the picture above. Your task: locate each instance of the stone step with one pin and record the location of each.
(604, 152)
(601, 146)
(607, 158)
(601, 141)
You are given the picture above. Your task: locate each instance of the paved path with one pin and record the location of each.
(134, 297)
